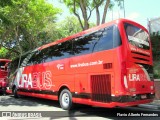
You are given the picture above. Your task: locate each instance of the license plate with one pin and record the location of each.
(143, 96)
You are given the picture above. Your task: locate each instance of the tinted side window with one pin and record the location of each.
(36, 58)
(55, 52)
(2, 63)
(59, 51)
(14, 65)
(116, 37)
(102, 39)
(85, 44)
(62, 50)
(27, 58)
(105, 41)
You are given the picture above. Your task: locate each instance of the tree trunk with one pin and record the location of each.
(97, 5)
(105, 11)
(83, 7)
(77, 15)
(17, 38)
(98, 16)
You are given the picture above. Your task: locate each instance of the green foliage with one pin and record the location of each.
(62, 29)
(155, 40)
(55, 31)
(26, 20)
(156, 69)
(3, 52)
(83, 9)
(69, 26)
(4, 2)
(27, 24)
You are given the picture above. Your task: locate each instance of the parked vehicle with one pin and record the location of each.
(3, 74)
(107, 66)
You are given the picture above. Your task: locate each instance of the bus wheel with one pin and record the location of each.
(15, 93)
(4, 91)
(65, 99)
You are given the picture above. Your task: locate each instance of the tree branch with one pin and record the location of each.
(74, 12)
(11, 50)
(83, 7)
(90, 12)
(105, 11)
(97, 10)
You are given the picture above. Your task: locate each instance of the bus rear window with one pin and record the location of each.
(137, 36)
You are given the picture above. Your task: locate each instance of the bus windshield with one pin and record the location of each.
(137, 36)
(2, 65)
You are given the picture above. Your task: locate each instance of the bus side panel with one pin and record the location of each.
(91, 71)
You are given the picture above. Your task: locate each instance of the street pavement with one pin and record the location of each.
(26, 107)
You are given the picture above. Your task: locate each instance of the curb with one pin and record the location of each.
(149, 106)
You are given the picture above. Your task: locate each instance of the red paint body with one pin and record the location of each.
(3, 73)
(106, 78)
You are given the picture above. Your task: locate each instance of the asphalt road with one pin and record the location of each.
(29, 108)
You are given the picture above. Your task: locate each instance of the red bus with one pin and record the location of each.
(3, 74)
(109, 65)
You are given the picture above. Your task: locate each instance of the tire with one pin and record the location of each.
(15, 92)
(65, 99)
(4, 91)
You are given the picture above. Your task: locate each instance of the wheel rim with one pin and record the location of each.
(65, 100)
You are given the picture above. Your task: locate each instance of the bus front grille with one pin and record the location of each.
(101, 88)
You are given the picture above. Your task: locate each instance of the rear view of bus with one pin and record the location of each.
(136, 64)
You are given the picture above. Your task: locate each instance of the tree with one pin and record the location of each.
(62, 29)
(3, 3)
(69, 26)
(86, 7)
(155, 40)
(27, 19)
(3, 52)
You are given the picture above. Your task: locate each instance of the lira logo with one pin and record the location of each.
(134, 77)
(60, 66)
(34, 80)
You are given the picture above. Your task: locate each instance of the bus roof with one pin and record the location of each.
(94, 29)
(7, 60)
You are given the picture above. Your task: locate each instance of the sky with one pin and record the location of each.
(137, 10)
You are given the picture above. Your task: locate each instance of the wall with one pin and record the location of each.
(157, 89)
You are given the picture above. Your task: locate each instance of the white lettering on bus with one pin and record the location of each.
(35, 80)
(98, 62)
(48, 81)
(134, 77)
(60, 66)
